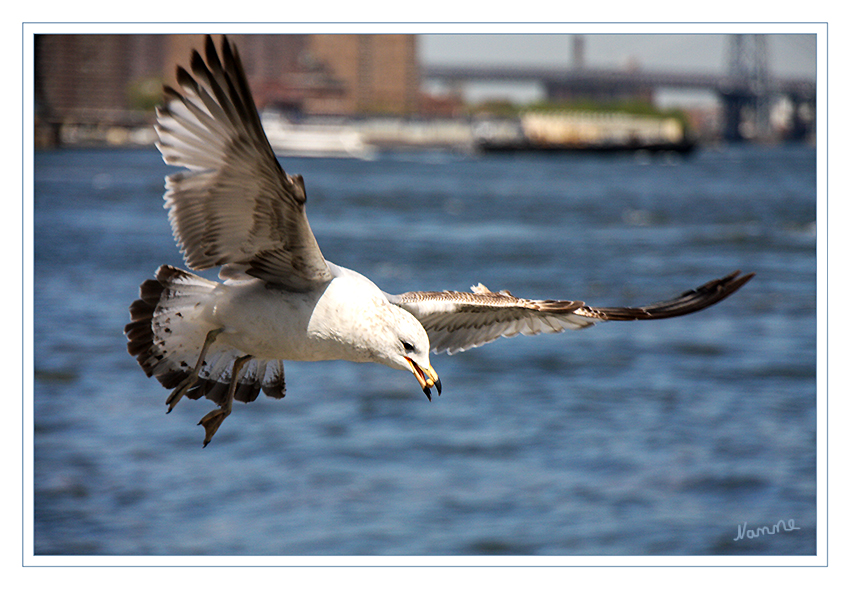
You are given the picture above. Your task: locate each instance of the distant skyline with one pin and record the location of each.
(788, 56)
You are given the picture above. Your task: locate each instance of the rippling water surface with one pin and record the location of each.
(624, 439)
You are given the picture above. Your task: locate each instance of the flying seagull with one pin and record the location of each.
(279, 299)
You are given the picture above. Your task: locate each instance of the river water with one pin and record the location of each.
(651, 438)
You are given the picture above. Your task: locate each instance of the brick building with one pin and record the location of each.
(115, 79)
(380, 72)
(89, 78)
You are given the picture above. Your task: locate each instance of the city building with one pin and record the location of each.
(116, 79)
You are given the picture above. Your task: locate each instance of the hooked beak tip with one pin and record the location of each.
(427, 378)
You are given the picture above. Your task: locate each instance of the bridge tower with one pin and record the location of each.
(746, 99)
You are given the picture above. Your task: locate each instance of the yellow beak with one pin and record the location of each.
(427, 378)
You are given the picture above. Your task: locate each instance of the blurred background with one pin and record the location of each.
(459, 91)
(618, 170)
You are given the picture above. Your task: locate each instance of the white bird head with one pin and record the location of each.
(404, 345)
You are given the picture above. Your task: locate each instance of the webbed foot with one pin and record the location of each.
(213, 420)
(188, 382)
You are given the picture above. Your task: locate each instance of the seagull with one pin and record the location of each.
(277, 298)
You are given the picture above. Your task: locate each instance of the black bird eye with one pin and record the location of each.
(408, 347)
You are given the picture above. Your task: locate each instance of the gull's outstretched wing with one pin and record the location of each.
(457, 321)
(235, 206)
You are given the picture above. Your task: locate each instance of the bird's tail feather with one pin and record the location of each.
(169, 324)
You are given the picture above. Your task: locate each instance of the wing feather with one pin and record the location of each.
(688, 302)
(456, 321)
(234, 206)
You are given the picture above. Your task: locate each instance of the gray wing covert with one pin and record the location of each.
(457, 321)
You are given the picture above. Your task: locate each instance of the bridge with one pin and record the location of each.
(736, 92)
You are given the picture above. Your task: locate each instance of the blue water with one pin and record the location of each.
(624, 439)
